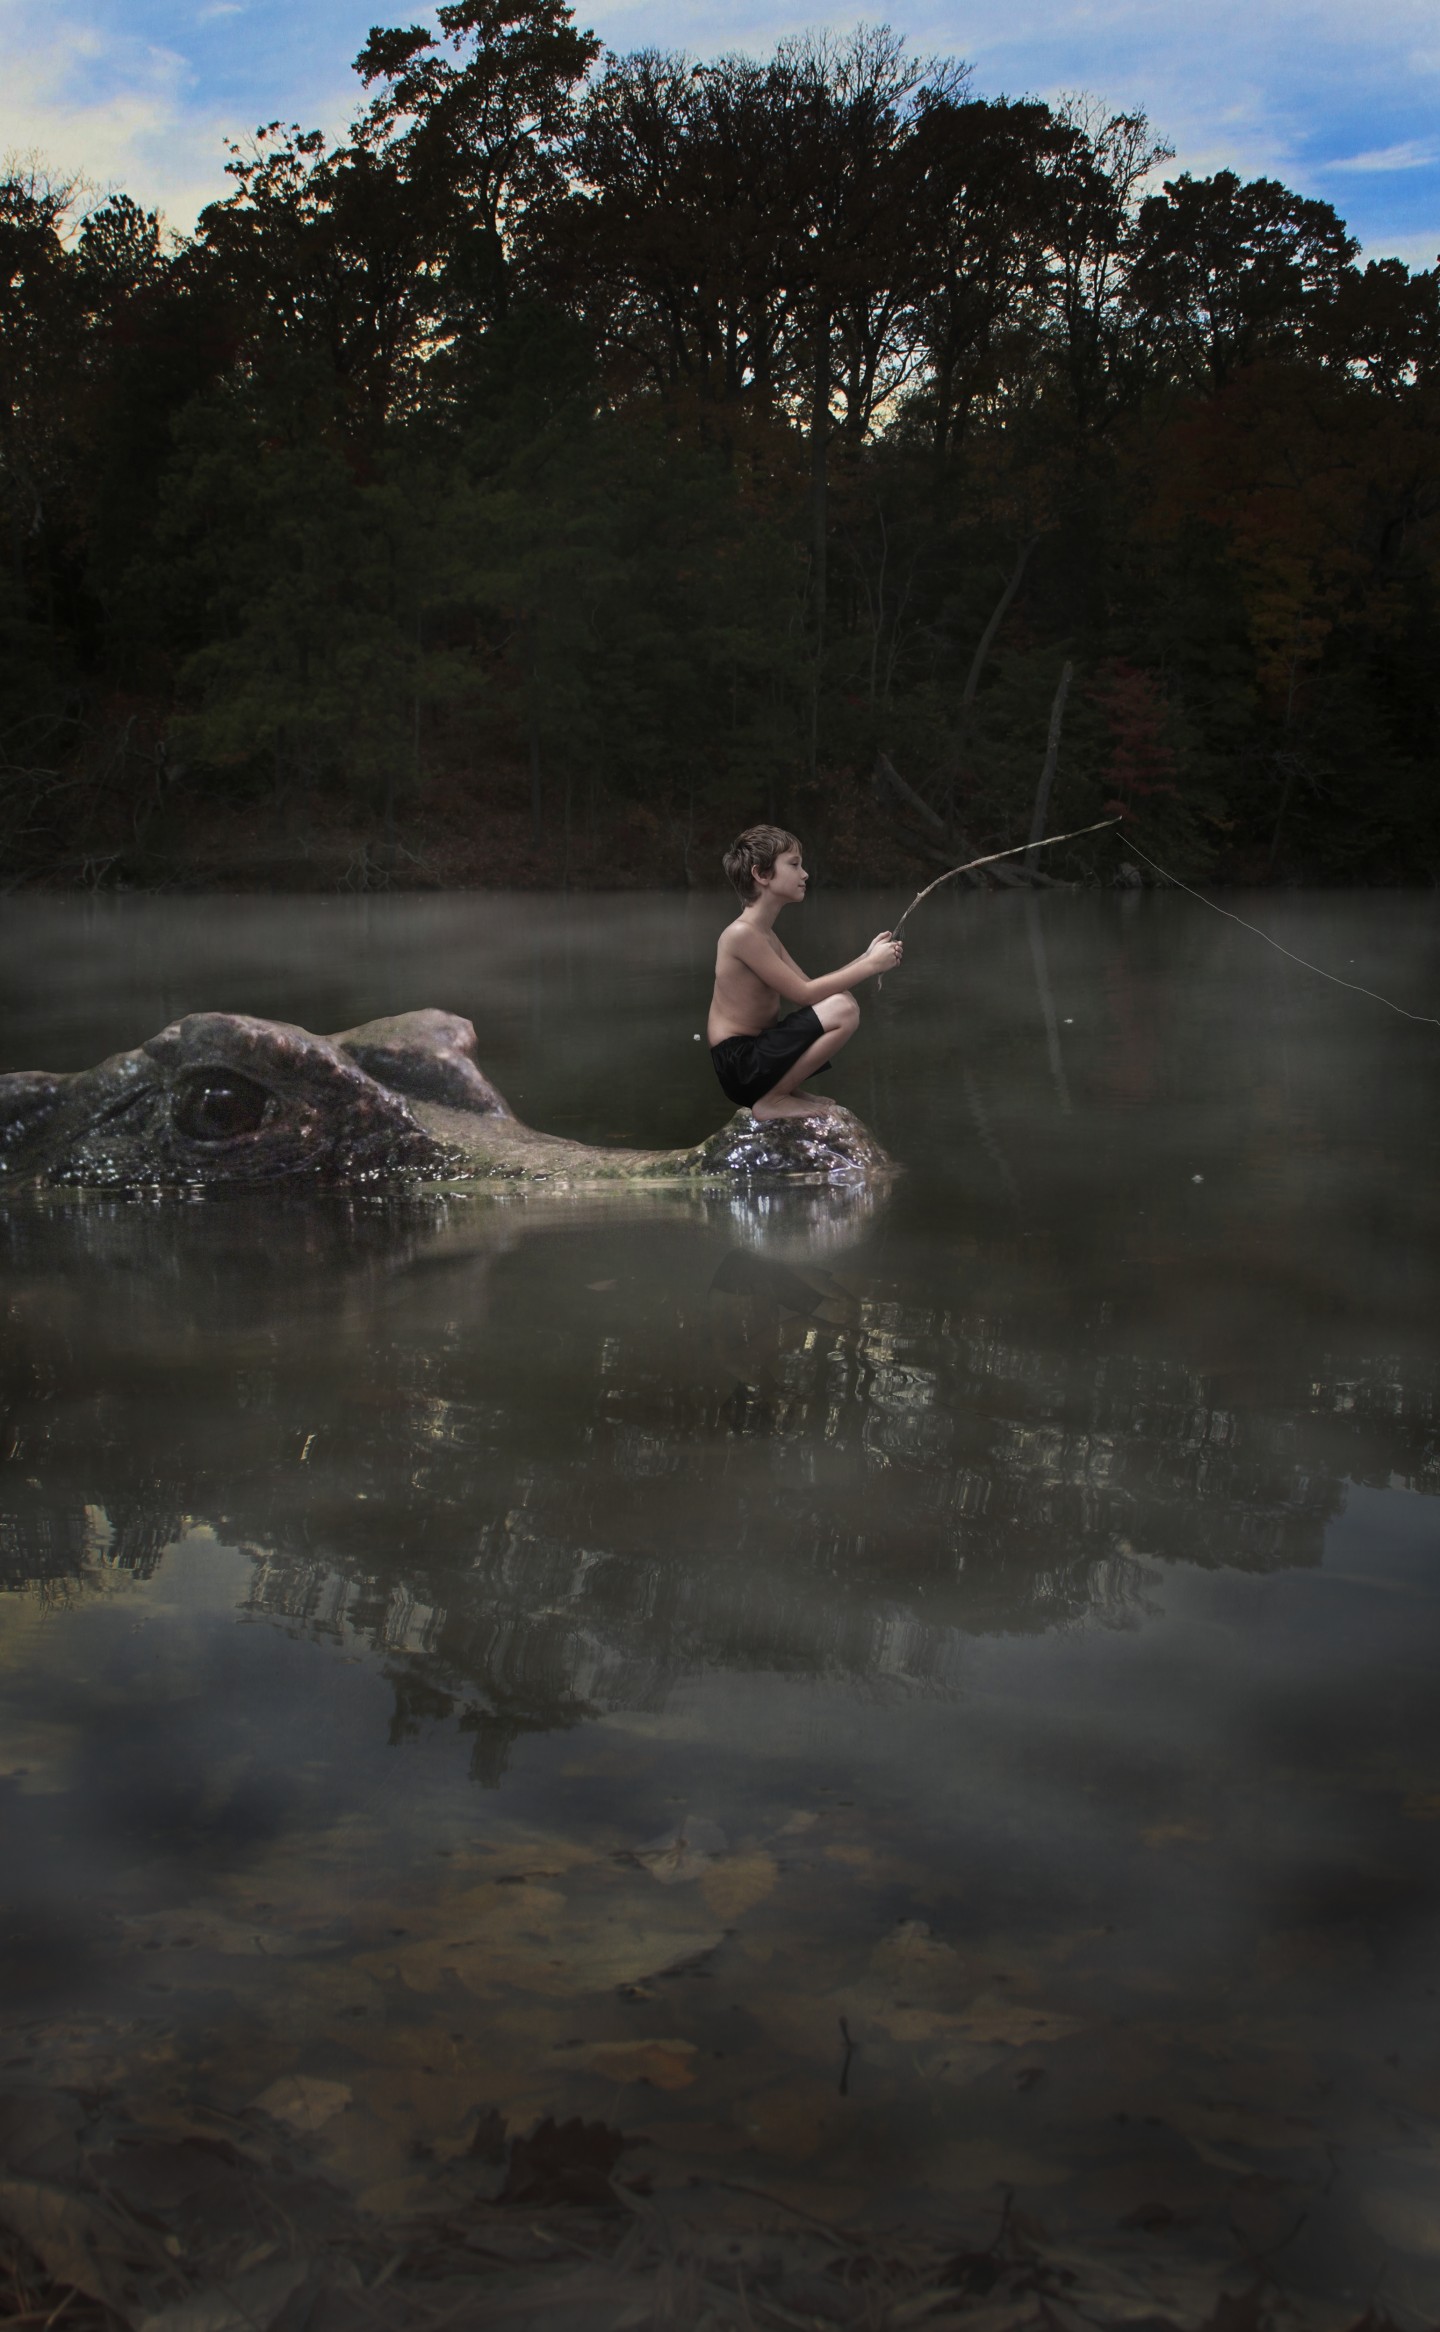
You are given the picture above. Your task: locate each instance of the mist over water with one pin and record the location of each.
(999, 1612)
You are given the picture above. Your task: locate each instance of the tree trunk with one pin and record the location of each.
(387, 820)
(1047, 1003)
(887, 775)
(961, 751)
(532, 736)
(1052, 755)
(536, 799)
(1291, 764)
(820, 474)
(998, 614)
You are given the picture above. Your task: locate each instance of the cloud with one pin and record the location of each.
(1410, 154)
(108, 111)
(145, 94)
(1419, 252)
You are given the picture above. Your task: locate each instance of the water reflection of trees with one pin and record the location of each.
(538, 1497)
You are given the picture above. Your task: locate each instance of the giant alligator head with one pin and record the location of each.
(220, 1100)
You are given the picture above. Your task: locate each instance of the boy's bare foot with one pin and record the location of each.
(793, 1105)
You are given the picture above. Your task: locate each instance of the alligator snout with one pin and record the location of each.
(221, 1100)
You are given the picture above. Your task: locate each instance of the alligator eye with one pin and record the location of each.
(214, 1105)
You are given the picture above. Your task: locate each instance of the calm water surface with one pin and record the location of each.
(895, 1704)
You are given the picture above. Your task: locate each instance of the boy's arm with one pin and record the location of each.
(780, 972)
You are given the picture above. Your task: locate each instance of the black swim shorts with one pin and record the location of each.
(748, 1066)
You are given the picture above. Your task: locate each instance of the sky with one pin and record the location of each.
(1334, 99)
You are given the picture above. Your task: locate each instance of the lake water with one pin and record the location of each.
(898, 1705)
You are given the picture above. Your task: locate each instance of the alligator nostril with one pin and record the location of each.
(214, 1105)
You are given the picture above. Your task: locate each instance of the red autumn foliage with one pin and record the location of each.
(1139, 760)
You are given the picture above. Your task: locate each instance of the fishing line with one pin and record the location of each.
(1428, 1019)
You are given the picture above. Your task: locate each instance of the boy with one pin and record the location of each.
(762, 1057)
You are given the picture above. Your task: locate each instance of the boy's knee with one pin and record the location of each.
(849, 1018)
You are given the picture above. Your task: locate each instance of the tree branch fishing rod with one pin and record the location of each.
(1046, 843)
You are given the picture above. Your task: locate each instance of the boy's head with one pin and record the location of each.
(755, 852)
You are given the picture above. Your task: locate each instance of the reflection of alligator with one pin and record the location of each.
(221, 1100)
(545, 1473)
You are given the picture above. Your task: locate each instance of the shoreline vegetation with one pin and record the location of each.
(463, 839)
(586, 455)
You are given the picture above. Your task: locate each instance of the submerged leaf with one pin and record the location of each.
(39, 2134)
(207, 1930)
(979, 2165)
(1020, 2026)
(75, 2240)
(517, 1935)
(738, 1884)
(795, 2120)
(683, 1853)
(914, 1965)
(301, 2103)
(665, 2064)
(558, 2162)
(1245, 2312)
(1178, 1834)
(248, 2303)
(1408, 2220)
(366, 2149)
(1226, 2132)
(433, 2105)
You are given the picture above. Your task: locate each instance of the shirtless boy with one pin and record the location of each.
(763, 1057)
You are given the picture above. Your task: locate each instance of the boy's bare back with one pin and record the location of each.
(745, 1000)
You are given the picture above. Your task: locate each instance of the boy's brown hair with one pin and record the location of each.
(755, 852)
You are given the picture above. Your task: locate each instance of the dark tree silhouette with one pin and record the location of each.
(586, 453)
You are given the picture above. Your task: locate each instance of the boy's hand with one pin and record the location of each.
(885, 951)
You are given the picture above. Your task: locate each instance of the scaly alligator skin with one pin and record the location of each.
(222, 1101)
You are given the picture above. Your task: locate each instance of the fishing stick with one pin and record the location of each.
(989, 860)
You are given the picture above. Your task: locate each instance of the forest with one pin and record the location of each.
(587, 455)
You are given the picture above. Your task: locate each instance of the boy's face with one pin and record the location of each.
(787, 880)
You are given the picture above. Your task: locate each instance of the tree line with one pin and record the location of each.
(586, 454)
